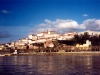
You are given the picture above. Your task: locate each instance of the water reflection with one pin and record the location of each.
(50, 65)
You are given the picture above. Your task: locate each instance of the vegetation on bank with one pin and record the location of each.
(81, 39)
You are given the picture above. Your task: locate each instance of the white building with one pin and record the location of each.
(31, 41)
(41, 41)
(48, 34)
(69, 35)
(51, 35)
(24, 40)
(41, 34)
(51, 32)
(93, 32)
(31, 36)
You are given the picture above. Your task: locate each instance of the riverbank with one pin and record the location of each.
(58, 53)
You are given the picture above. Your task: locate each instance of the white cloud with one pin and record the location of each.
(60, 26)
(92, 24)
(6, 12)
(48, 21)
(85, 15)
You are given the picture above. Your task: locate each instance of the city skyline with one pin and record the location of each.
(18, 18)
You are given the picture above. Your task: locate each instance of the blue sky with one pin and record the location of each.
(18, 18)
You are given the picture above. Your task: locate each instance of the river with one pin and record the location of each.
(50, 65)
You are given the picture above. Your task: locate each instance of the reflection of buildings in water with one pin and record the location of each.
(50, 65)
(22, 60)
(46, 66)
(82, 64)
(82, 60)
(14, 59)
(19, 60)
(89, 62)
(96, 64)
(88, 65)
(1, 60)
(30, 60)
(56, 64)
(43, 65)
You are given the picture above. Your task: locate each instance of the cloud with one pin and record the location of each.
(4, 34)
(85, 15)
(60, 26)
(16, 30)
(13, 33)
(92, 24)
(6, 12)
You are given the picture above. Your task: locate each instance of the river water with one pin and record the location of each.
(50, 65)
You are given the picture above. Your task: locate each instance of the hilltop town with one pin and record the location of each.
(51, 39)
(42, 37)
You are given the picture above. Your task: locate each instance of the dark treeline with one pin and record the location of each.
(81, 39)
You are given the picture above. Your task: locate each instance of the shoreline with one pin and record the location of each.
(58, 53)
